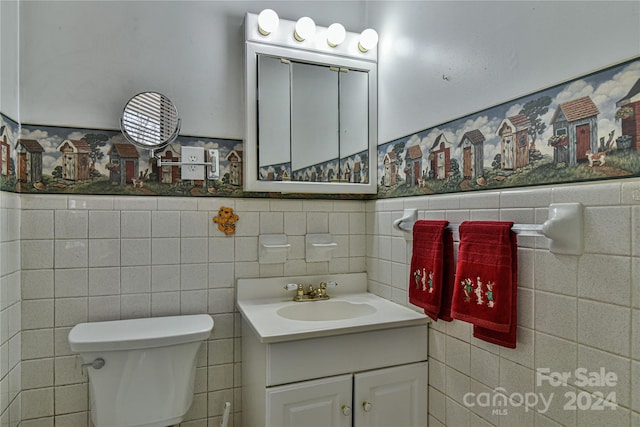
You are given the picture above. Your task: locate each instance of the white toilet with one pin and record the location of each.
(141, 371)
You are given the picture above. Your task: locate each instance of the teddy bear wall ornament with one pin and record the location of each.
(226, 220)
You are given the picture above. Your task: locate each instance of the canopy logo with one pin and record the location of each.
(499, 400)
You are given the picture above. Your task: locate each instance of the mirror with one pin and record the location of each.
(150, 121)
(274, 88)
(311, 120)
(353, 113)
(314, 121)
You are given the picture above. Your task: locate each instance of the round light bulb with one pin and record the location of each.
(305, 29)
(335, 34)
(268, 22)
(368, 40)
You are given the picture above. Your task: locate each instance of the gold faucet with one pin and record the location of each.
(312, 293)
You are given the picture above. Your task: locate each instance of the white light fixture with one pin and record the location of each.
(368, 40)
(268, 22)
(305, 29)
(335, 34)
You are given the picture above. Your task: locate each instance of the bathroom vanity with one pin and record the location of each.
(361, 361)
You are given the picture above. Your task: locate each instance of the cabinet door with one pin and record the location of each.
(317, 403)
(391, 397)
(274, 111)
(354, 113)
(314, 118)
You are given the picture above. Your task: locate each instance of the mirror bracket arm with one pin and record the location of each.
(213, 163)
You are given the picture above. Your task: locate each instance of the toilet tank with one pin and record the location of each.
(134, 334)
(149, 371)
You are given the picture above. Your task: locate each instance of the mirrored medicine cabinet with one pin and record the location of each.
(310, 119)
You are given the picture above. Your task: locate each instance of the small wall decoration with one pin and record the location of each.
(226, 220)
(583, 130)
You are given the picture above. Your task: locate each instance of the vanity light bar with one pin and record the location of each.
(304, 30)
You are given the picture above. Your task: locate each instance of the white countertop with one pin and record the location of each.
(259, 309)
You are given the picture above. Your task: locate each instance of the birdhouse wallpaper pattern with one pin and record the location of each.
(45, 159)
(582, 130)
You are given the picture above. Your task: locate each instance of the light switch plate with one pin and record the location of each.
(214, 164)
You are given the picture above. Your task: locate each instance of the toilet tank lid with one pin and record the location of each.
(140, 333)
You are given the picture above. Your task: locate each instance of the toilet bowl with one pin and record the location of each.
(141, 371)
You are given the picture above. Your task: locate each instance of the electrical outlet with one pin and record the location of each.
(193, 155)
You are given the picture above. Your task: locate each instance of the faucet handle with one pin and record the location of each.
(329, 284)
(298, 287)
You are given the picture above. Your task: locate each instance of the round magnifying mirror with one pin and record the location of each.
(150, 121)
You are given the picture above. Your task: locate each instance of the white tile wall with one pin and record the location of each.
(69, 259)
(11, 325)
(574, 311)
(104, 258)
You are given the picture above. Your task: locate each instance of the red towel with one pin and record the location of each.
(431, 268)
(485, 291)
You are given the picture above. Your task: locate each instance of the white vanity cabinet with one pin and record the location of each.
(394, 396)
(373, 378)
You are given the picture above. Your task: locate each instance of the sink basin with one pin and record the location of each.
(325, 311)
